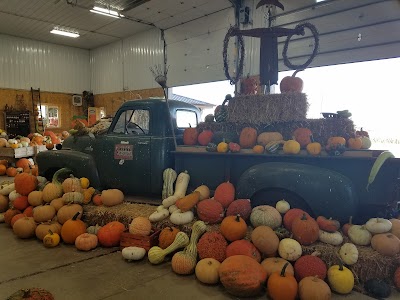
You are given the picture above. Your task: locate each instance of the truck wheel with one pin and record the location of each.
(273, 195)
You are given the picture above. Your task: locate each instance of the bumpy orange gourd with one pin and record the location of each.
(302, 136)
(167, 237)
(72, 228)
(243, 247)
(225, 193)
(140, 226)
(248, 137)
(25, 183)
(305, 230)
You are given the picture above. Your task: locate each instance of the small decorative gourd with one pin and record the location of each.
(188, 202)
(207, 271)
(332, 238)
(275, 264)
(24, 228)
(305, 230)
(282, 206)
(51, 239)
(278, 280)
(160, 214)
(140, 226)
(359, 235)
(93, 229)
(43, 213)
(54, 189)
(265, 240)
(72, 228)
(72, 184)
(86, 241)
(314, 288)
(265, 215)
(156, 255)
(43, 229)
(181, 218)
(169, 177)
(73, 197)
(112, 197)
(167, 236)
(328, 225)
(349, 253)
(386, 244)
(378, 225)
(133, 253)
(289, 249)
(341, 279)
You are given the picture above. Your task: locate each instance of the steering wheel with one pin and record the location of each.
(137, 126)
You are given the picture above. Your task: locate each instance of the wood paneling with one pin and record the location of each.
(111, 102)
(61, 100)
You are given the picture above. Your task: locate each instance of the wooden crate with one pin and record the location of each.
(136, 240)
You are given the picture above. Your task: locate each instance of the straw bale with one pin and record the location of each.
(322, 129)
(268, 108)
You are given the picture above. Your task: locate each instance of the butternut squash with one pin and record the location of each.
(188, 202)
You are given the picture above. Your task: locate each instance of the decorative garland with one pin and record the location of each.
(231, 32)
(315, 34)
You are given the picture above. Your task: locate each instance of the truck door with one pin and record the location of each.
(125, 152)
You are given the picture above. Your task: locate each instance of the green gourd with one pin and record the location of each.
(156, 255)
(73, 197)
(169, 177)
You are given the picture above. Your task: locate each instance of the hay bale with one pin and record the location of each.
(322, 129)
(268, 108)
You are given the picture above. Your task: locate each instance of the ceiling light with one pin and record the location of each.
(106, 12)
(63, 32)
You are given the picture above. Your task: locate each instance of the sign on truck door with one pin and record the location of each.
(126, 152)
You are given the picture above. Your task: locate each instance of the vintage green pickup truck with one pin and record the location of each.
(139, 145)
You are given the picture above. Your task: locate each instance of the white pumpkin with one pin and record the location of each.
(13, 195)
(332, 238)
(282, 206)
(159, 215)
(6, 189)
(289, 249)
(378, 225)
(172, 209)
(180, 218)
(359, 235)
(349, 253)
(265, 215)
(133, 253)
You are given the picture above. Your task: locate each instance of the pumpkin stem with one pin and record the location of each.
(351, 220)
(50, 232)
(238, 218)
(284, 270)
(340, 265)
(76, 216)
(304, 217)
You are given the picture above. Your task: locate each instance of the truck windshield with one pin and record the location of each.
(133, 122)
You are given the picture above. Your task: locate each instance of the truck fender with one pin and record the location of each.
(82, 164)
(324, 191)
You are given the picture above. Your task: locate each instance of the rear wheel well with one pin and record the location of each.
(272, 195)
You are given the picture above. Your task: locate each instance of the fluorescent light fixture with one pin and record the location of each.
(320, 1)
(106, 12)
(65, 33)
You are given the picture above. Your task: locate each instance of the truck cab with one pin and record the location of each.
(134, 151)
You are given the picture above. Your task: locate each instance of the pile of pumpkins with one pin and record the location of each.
(228, 255)
(271, 142)
(52, 211)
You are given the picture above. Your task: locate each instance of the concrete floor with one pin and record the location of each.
(98, 274)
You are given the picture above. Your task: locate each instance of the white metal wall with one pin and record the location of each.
(124, 65)
(27, 63)
(194, 49)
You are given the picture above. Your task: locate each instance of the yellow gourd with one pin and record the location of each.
(156, 255)
(88, 194)
(222, 147)
(314, 148)
(51, 239)
(291, 147)
(341, 279)
(84, 182)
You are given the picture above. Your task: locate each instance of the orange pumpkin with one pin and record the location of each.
(248, 137)
(354, 143)
(243, 247)
(21, 203)
(305, 230)
(25, 183)
(167, 237)
(275, 264)
(23, 163)
(72, 228)
(258, 149)
(302, 136)
(11, 172)
(336, 140)
(190, 136)
(233, 228)
(291, 84)
(242, 276)
(291, 215)
(265, 239)
(3, 169)
(278, 280)
(110, 234)
(97, 200)
(225, 193)
(205, 137)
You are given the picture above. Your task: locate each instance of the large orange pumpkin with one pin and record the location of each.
(243, 247)
(72, 228)
(248, 137)
(282, 286)
(233, 228)
(242, 276)
(110, 234)
(291, 215)
(305, 230)
(225, 194)
(210, 211)
(25, 183)
(23, 163)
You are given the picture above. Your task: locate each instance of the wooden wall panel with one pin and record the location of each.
(63, 101)
(112, 101)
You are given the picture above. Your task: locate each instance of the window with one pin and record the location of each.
(186, 118)
(51, 116)
(133, 122)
